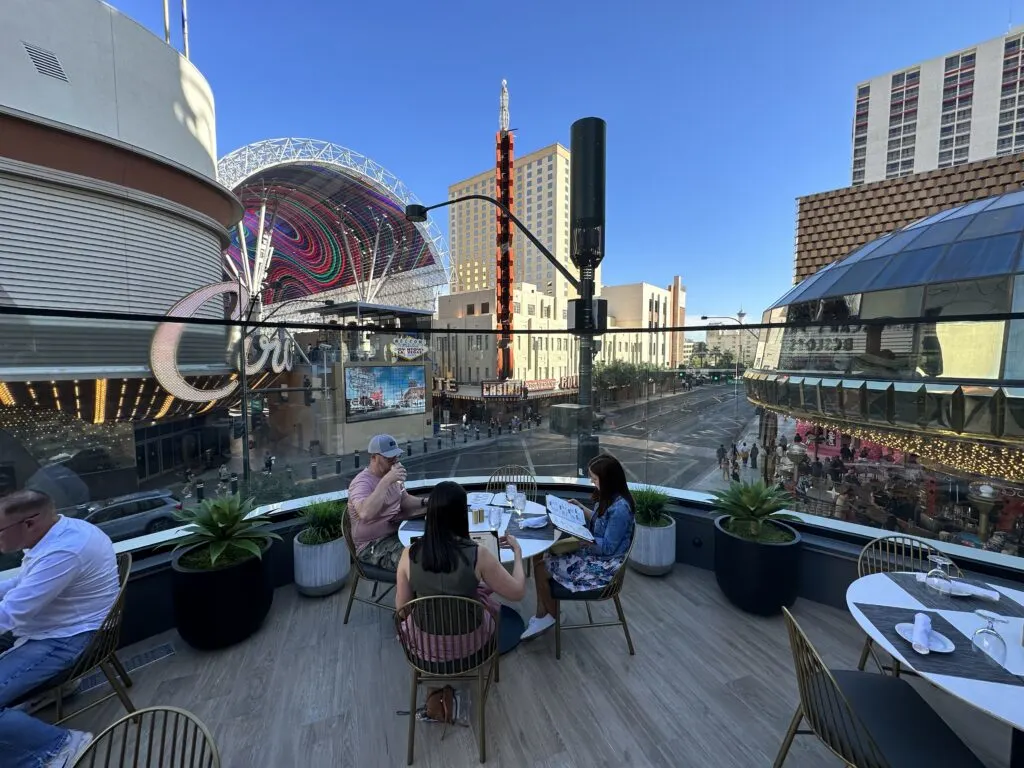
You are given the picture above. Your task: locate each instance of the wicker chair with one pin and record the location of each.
(156, 737)
(360, 570)
(888, 554)
(525, 480)
(867, 720)
(454, 619)
(101, 653)
(609, 592)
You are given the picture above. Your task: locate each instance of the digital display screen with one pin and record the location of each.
(384, 391)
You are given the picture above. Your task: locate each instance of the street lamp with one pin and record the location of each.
(587, 222)
(739, 351)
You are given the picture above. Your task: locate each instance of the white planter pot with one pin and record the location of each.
(654, 550)
(320, 569)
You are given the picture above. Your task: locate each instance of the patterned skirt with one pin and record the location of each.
(582, 571)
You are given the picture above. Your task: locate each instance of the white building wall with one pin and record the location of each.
(929, 115)
(985, 113)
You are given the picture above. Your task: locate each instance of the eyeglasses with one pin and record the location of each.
(15, 525)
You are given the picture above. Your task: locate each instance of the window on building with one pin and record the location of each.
(470, 309)
(485, 308)
(531, 309)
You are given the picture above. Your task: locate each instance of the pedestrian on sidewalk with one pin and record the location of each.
(723, 464)
(753, 456)
(744, 453)
(721, 453)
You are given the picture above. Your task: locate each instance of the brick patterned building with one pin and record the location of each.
(831, 224)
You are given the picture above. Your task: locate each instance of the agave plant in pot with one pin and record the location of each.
(757, 555)
(221, 586)
(654, 546)
(321, 557)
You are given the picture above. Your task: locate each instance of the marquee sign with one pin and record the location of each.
(274, 347)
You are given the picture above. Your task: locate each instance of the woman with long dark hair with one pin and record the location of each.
(591, 565)
(445, 561)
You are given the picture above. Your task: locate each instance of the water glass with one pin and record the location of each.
(510, 493)
(939, 578)
(986, 638)
(494, 518)
(519, 504)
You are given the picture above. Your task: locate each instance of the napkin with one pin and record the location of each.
(922, 632)
(971, 589)
(534, 521)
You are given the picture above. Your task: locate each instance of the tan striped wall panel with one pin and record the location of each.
(831, 224)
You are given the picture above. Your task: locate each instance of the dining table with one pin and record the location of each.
(880, 601)
(532, 542)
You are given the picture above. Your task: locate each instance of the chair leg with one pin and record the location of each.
(351, 594)
(481, 716)
(790, 734)
(558, 633)
(121, 671)
(895, 668)
(625, 626)
(412, 716)
(58, 702)
(864, 654)
(590, 616)
(119, 689)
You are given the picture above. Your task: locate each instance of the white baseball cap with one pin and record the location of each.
(385, 445)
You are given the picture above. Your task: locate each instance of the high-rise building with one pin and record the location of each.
(641, 305)
(740, 343)
(540, 201)
(953, 109)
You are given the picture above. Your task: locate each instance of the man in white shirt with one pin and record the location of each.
(67, 585)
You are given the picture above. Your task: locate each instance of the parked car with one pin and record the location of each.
(125, 517)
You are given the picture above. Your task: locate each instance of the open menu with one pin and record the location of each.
(488, 540)
(568, 518)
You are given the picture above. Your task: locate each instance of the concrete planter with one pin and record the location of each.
(320, 569)
(654, 549)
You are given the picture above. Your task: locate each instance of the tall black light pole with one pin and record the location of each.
(587, 315)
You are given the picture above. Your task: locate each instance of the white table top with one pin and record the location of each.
(1001, 700)
(530, 547)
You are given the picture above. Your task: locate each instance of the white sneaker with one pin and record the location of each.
(536, 626)
(74, 746)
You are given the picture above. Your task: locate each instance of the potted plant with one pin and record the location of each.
(221, 587)
(654, 545)
(757, 556)
(321, 556)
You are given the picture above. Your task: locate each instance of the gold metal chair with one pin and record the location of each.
(101, 653)
(359, 570)
(441, 644)
(609, 592)
(525, 480)
(155, 737)
(889, 554)
(867, 720)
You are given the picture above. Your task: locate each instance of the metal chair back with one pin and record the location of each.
(897, 553)
(825, 707)
(346, 532)
(155, 737)
(106, 640)
(525, 480)
(447, 636)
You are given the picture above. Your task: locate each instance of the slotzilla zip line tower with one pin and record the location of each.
(505, 272)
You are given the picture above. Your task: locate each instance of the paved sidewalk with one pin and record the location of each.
(712, 480)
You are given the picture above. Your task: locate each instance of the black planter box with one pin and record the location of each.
(220, 607)
(758, 578)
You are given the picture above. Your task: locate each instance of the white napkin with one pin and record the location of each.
(922, 632)
(534, 521)
(972, 589)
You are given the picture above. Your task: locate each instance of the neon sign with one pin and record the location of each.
(163, 351)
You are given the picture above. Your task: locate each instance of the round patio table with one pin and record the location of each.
(532, 542)
(880, 601)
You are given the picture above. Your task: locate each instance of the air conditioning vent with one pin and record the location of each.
(46, 62)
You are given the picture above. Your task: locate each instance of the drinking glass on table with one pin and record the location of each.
(494, 518)
(510, 493)
(987, 639)
(939, 577)
(519, 505)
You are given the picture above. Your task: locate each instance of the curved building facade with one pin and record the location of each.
(109, 202)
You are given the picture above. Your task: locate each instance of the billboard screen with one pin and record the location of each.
(384, 391)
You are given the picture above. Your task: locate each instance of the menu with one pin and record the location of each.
(568, 518)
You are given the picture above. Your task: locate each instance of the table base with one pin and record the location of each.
(512, 628)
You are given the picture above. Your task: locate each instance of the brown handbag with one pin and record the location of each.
(441, 705)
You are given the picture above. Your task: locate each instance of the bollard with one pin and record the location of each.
(424, 444)
(478, 433)
(234, 483)
(465, 435)
(355, 459)
(288, 470)
(489, 432)
(337, 466)
(527, 423)
(312, 470)
(200, 490)
(408, 447)
(439, 442)
(499, 430)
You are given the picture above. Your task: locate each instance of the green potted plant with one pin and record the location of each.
(757, 556)
(221, 587)
(654, 545)
(321, 556)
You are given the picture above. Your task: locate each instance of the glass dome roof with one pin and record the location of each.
(976, 240)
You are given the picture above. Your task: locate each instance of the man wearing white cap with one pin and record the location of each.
(378, 503)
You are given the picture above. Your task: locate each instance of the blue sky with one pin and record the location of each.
(719, 114)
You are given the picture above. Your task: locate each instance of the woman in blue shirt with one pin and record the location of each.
(592, 565)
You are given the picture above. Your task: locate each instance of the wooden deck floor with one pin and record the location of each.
(709, 686)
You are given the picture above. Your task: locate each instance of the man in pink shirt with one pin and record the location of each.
(378, 503)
